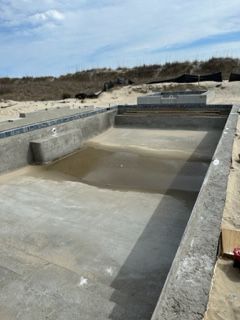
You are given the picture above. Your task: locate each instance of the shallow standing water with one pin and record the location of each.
(126, 170)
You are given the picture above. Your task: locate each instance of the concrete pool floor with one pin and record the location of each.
(70, 250)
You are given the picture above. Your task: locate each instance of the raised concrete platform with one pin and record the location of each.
(194, 122)
(57, 111)
(174, 98)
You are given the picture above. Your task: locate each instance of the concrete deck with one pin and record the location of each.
(74, 251)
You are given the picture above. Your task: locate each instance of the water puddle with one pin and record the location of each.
(126, 170)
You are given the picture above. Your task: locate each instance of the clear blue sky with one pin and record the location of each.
(50, 37)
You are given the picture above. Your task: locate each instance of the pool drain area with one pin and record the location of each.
(93, 235)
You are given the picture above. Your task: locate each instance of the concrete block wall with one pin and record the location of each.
(199, 99)
(58, 145)
(213, 108)
(187, 117)
(170, 121)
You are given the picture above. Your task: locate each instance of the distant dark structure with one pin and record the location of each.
(91, 95)
(234, 77)
(107, 86)
(191, 78)
(117, 82)
(216, 77)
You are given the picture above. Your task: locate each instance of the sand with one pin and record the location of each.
(224, 303)
(224, 300)
(227, 92)
(231, 216)
(11, 109)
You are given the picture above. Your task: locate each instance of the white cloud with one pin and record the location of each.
(110, 32)
(21, 13)
(50, 15)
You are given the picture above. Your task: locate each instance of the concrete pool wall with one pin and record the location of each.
(182, 116)
(173, 98)
(15, 137)
(185, 292)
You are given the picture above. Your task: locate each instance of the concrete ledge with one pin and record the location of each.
(186, 290)
(56, 111)
(58, 145)
(179, 93)
(46, 120)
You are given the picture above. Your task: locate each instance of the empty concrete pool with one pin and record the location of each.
(93, 234)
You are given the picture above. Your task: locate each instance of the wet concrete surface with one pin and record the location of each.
(89, 236)
(126, 170)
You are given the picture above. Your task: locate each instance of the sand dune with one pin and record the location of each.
(217, 93)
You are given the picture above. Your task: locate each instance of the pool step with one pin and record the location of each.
(163, 121)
